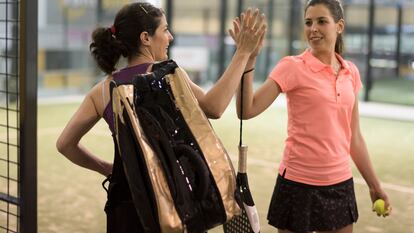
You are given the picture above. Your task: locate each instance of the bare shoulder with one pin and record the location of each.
(99, 94)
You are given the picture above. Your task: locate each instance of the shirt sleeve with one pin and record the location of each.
(357, 78)
(282, 74)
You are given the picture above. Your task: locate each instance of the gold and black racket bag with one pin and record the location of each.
(180, 176)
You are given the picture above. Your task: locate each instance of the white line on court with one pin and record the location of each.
(360, 181)
(253, 161)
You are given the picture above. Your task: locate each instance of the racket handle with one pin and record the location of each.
(242, 158)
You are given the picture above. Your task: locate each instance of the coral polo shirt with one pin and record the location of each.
(319, 104)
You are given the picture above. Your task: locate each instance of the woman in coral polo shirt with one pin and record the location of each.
(314, 189)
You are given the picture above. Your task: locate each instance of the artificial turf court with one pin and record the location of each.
(71, 199)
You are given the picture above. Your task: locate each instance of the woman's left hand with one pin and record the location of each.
(380, 194)
(234, 33)
(250, 24)
(258, 47)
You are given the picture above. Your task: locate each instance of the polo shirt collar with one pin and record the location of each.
(316, 65)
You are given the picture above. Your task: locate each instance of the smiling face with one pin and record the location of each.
(160, 41)
(321, 30)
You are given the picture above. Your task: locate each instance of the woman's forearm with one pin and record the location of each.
(80, 156)
(219, 96)
(247, 89)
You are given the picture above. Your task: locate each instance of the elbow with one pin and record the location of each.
(357, 144)
(62, 145)
(239, 116)
(215, 114)
(245, 116)
(356, 140)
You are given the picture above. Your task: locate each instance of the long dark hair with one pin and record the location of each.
(123, 38)
(337, 12)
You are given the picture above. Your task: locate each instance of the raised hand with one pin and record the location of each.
(248, 31)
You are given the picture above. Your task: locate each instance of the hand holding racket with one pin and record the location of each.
(248, 221)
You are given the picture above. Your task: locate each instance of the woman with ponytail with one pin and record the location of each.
(140, 35)
(314, 190)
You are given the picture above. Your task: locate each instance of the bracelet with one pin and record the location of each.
(248, 71)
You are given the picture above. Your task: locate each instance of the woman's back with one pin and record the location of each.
(122, 75)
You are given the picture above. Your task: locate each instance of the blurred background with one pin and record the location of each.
(46, 69)
(203, 47)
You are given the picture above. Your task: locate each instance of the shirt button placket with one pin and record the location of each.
(338, 90)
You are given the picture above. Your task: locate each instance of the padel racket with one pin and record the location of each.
(248, 221)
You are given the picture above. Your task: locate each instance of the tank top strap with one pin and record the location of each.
(104, 103)
(129, 72)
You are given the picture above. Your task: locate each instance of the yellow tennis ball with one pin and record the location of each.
(379, 207)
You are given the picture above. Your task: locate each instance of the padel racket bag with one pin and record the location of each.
(172, 158)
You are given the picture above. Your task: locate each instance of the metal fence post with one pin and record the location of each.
(222, 37)
(371, 27)
(28, 116)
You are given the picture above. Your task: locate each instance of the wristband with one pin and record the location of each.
(248, 71)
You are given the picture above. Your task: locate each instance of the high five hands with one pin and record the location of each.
(248, 31)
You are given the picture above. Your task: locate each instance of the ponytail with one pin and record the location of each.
(123, 38)
(339, 44)
(105, 49)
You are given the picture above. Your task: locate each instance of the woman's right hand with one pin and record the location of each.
(248, 31)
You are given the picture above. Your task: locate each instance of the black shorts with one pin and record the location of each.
(299, 207)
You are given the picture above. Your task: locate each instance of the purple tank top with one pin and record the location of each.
(122, 75)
